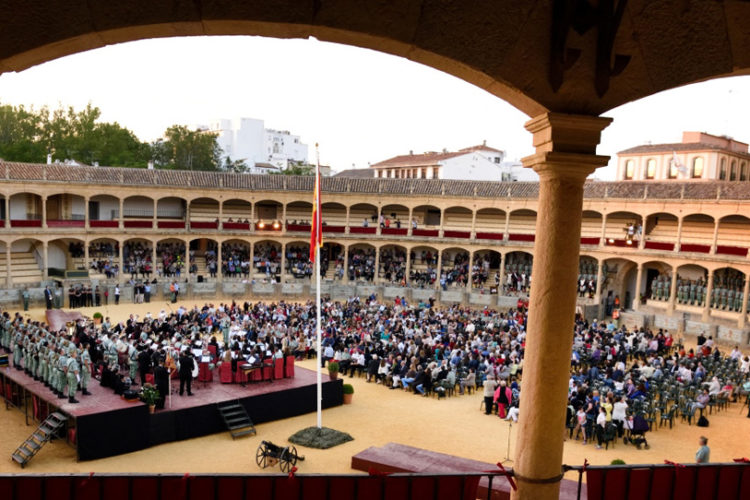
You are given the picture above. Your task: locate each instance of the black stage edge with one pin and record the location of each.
(116, 432)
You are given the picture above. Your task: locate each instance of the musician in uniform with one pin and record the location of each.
(85, 370)
(73, 372)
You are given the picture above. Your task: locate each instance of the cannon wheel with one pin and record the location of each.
(286, 460)
(294, 456)
(261, 456)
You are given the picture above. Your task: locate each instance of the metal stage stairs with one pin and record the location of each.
(236, 419)
(44, 433)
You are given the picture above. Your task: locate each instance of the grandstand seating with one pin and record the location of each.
(23, 267)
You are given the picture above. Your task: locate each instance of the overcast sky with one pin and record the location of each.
(360, 105)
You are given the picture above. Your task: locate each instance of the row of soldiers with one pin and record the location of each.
(695, 292)
(47, 357)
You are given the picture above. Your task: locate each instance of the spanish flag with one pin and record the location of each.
(316, 230)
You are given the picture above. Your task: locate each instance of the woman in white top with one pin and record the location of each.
(619, 413)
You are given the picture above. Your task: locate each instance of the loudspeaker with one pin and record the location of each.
(200, 278)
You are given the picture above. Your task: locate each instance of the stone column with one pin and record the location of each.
(603, 239)
(502, 275)
(252, 217)
(679, 234)
(122, 218)
(506, 231)
(469, 281)
(638, 281)
(283, 219)
(7, 212)
(439, 269)
(442, 221)
(377, 223)
(187, 259)
(219, 274)
(376, 278)
(709, 291)
(599, 279)
(154, 257)
(220, 224)
(348, 214)
(346, 264)
(86, 213)
(8, 274)
(45, 260)
(154, 216)
(565, 156)
(642, 236)
(186, 215)
(407, 269)
(743, 311)
(44, 213)
(121, 246)
(473, 224)
(410, 226)
(672, 292)
(716, 237)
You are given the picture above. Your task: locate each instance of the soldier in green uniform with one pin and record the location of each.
(17, 348)
(73, 372)
(25, 295)
(62, 373)
(132, 361)
(42, 364)
(85, 370)
(52, 367)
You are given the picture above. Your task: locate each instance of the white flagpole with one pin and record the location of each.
(318, 228)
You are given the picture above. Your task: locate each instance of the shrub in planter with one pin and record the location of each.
(333, 369)
(348, 392)
(617, 461)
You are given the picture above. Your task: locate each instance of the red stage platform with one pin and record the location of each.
(188, 417)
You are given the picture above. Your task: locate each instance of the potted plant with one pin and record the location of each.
(149, 395)
(333, 370)
(98, 318)
(348, 392)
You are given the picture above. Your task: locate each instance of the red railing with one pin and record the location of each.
(622, 243)
(203, 225)
(432, 233)
(361, 230)
(298, 227)
(170, 224)
(590, 241)
(26, 223)
(334, 229)
(456, 234)
(730, 250)
(104, 223)
(695, 248)
(397, 231)
(2, 222)
(521, 237)
(659, 245)
(490, 236)
(236, 226)
(446, 486)
(65, 223)
(139, 224)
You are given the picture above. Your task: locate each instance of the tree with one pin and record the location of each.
(235, 166)
(191, 149)
(297, 168)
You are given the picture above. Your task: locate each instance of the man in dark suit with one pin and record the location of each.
(186, 372)
(48, 297)
(161, 378)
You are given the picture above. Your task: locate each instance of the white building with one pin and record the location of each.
(248, 139)
(481, 163)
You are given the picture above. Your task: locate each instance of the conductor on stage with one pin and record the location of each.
(186, 372)
(161, 378)
(48, 297)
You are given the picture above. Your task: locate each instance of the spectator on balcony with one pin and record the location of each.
(365, 222)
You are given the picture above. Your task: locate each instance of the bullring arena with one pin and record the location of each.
(677, 248)
(481, 238)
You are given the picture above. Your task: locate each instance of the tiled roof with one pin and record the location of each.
(418, 160)
(109, 176)
(679, 146)
(356, 173)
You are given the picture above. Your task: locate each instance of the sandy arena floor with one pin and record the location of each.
(377, 416)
